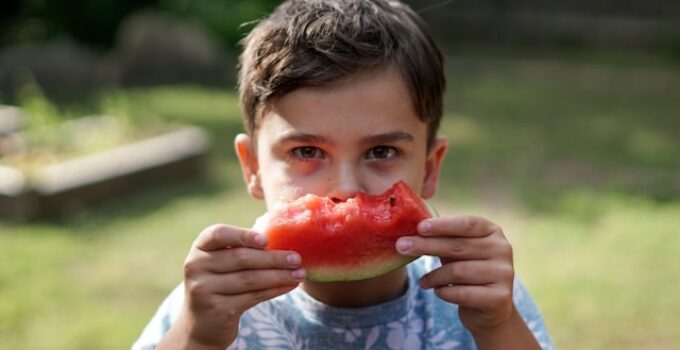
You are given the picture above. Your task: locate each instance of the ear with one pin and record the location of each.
(433, 165)
(247, 157)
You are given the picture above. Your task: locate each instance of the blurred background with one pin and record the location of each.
(563, 119)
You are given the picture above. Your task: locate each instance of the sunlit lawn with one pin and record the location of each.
(579, 163)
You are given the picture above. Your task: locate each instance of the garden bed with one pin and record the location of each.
(37, 189)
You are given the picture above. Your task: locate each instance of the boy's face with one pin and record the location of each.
(359, 135)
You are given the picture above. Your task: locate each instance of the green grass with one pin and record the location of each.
(612, 277)
(579, 164)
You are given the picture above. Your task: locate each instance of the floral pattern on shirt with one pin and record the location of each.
(295, 321)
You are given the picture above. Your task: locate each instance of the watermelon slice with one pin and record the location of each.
(346, 241)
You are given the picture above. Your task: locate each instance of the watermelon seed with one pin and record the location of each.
(393, 201)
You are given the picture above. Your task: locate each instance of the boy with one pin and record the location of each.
(341, 97)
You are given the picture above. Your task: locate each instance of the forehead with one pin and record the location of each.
(368, 103)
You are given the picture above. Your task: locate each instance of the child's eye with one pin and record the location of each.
(382, 152)
(307, 153)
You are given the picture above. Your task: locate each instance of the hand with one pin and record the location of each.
(476, 273)
(226, 273)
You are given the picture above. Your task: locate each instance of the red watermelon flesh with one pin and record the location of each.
(346, 241)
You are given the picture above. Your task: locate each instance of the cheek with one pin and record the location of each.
(306, 168)
(380, 180)
(383, 183)
(280, 188)
(281, 181)
(411, 171)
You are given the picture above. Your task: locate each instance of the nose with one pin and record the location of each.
(346, 183)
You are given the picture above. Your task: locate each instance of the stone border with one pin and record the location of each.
(11, 119)
(77, 183)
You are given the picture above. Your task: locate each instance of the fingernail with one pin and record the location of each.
(404, 244)
(260, 239)
(299, 274)
(293, 259)
(424, 227)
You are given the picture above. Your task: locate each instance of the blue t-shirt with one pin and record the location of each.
(416, 320)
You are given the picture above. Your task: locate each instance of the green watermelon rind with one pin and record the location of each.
(344, 275)
(328, 274)
(377, 266)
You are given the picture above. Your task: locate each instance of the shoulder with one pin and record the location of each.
(527, 308)
(162, 320)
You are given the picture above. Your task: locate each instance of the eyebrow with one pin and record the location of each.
(388, 137)
(300, 138)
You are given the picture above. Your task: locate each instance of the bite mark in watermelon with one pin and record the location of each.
(349, 240)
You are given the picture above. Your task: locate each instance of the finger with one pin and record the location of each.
(251, 299)
(460, 226)
(236, 259)
(477, 297)
(445, 247)
(222, 236)
(469, 272)
(252, 280)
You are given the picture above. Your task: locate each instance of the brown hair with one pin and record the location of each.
(317, 42)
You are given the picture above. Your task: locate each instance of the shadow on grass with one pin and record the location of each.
(134, 205)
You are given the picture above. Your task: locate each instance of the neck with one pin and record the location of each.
(359, 293)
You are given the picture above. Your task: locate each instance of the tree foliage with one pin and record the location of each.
(96, 22)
